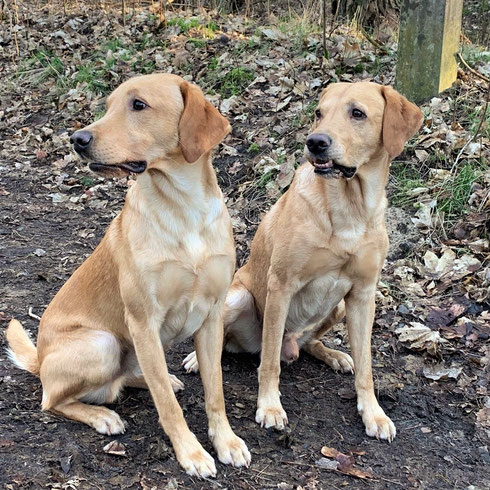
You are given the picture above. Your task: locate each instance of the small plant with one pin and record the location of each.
(359, 68)
(456, 191)
(185, 24)
(114, 44)
(143, 65)
(405, 178)
(213, 63)
(50, 64)
(96, 77)
(235, 81)
(267, 177)
(87, 182)
(253, 148)
(198, 43)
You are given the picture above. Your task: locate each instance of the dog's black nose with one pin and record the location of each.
(81, 140)
(317, 143)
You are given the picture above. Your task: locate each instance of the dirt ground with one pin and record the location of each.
(436, 445)
(53, 214)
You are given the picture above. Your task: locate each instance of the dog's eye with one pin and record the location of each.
(138, 105)
(318, 114)
(358, 114)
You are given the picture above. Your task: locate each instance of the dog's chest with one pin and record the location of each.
(188, 293)
(315, 301)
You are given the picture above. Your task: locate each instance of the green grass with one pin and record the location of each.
(475, 116)
(87, 182)
(213, 63)
(455, 192)
(100, 114)
(405, 178)
(235, 81)
(46, 65)
(198, 43)
(298, 29)
(452, 193)
(473, 54)
(267, 177)
(305, 117)
(96, 76)
(253, 148)
(208, 29)
(185, 24)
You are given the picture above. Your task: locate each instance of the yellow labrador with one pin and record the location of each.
(318, 252)
(159, 275)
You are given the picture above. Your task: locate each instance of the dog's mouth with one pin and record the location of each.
(118, 168)
(332, 170)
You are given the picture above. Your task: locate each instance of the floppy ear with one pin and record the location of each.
(401, 120)
(201, 126)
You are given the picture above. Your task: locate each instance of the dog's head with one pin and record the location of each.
(150, 118)
(356, 123)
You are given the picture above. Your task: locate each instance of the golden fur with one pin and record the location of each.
(318, 252)
(159, 275)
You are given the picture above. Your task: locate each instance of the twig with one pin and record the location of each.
(324, 28)
(373, 41)
(473, 138)
(472, 70)
(33, 315)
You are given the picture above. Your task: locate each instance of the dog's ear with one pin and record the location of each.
(201, 126)
(401, 120)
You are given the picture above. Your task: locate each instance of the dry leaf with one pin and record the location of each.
(421, 337)
(441, 373)
(116, 448)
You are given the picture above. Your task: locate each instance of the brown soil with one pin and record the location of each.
(38, 449)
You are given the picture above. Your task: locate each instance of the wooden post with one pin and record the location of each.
(427, 47)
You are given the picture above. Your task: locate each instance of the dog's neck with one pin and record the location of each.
(345, 202)
(178, 189)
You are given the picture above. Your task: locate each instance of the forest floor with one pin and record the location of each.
(431, 350)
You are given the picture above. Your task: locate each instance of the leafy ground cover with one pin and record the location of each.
(431, 335)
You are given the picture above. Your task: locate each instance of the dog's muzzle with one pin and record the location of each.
(331, 169)
(317, 153)
(124, 167)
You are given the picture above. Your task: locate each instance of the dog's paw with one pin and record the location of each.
(232, 450)
(108, 422)
(271, 417)
(378, 424)
(190, 363)
(340, 361)
(195, 460)
(177, 385)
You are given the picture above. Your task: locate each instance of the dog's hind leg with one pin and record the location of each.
(337, 360)
(85, 369)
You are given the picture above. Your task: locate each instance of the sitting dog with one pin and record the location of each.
(318, 252)
(160, 274)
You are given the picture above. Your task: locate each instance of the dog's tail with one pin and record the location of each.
(22, 351)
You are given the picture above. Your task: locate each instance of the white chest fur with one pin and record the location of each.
(183, 251)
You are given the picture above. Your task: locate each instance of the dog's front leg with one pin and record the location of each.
(209, 344)
(151, 358)
(360, 306)
(269, 409)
